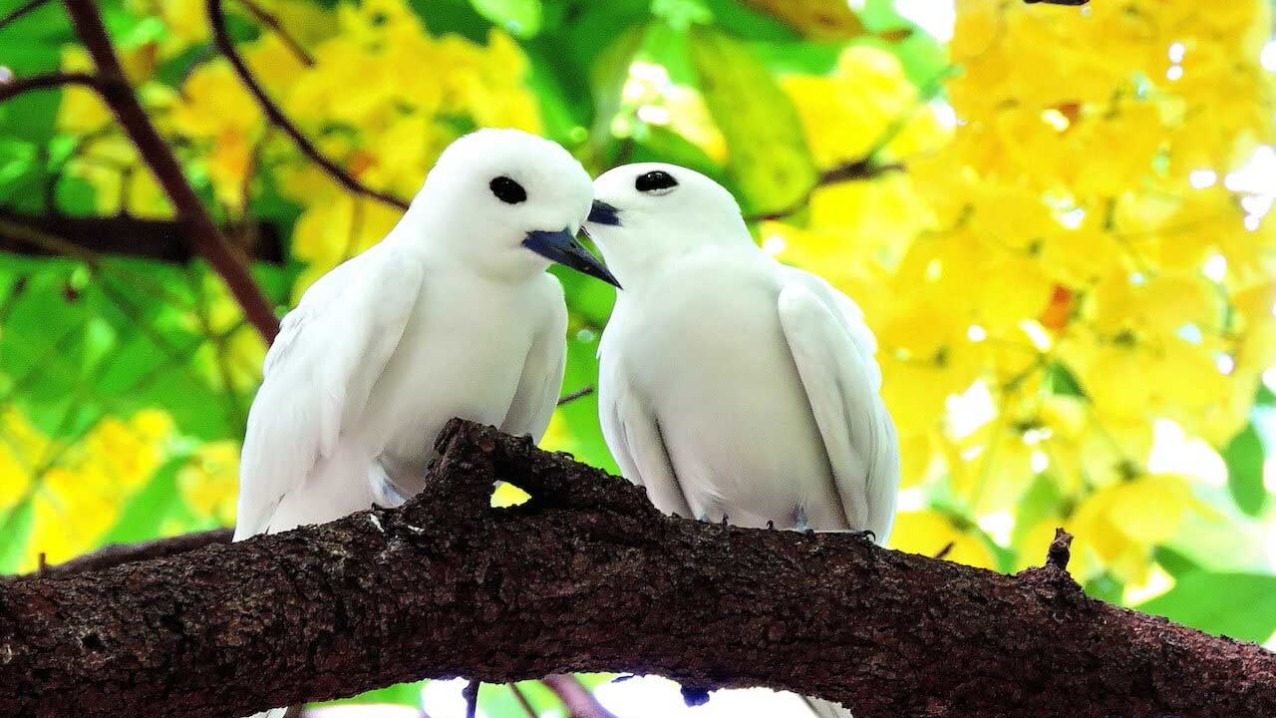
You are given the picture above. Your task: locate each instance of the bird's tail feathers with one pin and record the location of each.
(826, 709)
(272, 713)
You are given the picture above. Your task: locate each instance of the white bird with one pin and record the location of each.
(733, 387)
(452, 314)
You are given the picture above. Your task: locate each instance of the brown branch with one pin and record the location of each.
(10, 90)
(276, 116)
(164, 240)
(22, 10)
(122, 554)
(579, 701)
(588, 576)
(578, 394)
(270, 20)
(205, 236)
(849, 172)
(522, 700)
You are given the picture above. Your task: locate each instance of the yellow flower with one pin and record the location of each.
(854, 110)
(1117, 526)
(209, 482)
(22, 449)
(330, 232)
(928, 532)
(121, 181)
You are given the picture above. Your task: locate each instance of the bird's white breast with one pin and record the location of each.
(704, 346)
(462, 354)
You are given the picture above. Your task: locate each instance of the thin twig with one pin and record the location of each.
(579, 701)
(270, 20)
(22, 10)
(864, 169)
(522, 700)
(120, 554)
(10, 90)
(579, 393)
(205, 236)
(221, 38)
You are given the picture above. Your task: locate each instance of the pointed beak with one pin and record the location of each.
(603, 213)
(562, 247)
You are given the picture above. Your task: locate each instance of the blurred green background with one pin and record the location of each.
(1057, 220)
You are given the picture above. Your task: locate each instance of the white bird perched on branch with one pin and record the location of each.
(731, 386)
(452, 314)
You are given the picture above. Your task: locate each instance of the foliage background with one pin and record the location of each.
(1057, 220)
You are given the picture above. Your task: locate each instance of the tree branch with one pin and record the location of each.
(21, 11)
(276, 116)
(120, 235)
(122, 554)
(588, 576)
(580, 393)
(849, 172)
(267, 18)
(207, 240)
(579, 701)
(10, 90)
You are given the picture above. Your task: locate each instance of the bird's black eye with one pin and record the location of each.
(656, 181)
(507, 190)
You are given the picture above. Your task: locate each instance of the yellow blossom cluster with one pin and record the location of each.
(77, 488)
(376, 92)
(1059, 265)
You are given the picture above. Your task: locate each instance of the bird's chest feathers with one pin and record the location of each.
(461, 354)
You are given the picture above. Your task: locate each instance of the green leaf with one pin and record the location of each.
(816, 19)
(1105, 588)
(770, 164)
(1240, 605)
(1244, 457)
(149, 508)
(1175, 563)
(522, 18)
(16, 534)
(1042, 500)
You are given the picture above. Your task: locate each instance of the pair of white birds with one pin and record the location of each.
(731, 386)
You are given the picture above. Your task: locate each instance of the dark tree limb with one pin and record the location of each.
(52, 80)
(122, 554)
(122, 236)
(578, 394)
(267, 18)
(576, 697)
(588, 576)
(276, 116)
(848, 172)
(158, 156)
(21, 11)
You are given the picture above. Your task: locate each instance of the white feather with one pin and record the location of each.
(730, 385)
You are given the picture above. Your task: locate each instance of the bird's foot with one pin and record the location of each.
(866, 534)
(694, 696)
(799, 519)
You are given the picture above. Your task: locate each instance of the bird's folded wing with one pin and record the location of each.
(633, 434)
(542, 377)
(833, 353)
(319, 373)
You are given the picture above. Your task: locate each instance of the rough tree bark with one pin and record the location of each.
(587, 576)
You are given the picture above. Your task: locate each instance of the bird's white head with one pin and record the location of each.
(648, 213)
(506, 203)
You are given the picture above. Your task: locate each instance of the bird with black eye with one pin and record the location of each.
(507, 190)
(655, 182)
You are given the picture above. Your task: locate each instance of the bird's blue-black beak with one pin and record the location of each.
(605, 214)
(562, 247)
